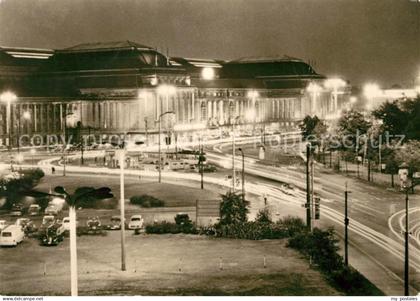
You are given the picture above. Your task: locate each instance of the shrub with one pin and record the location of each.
(233, 209)
(146, 201)
(321, 246)
(183, 224)
(292, 225)
(162, 228)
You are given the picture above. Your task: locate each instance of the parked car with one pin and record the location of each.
(52, 235)
(136, 222)
(48, 219)
(115, 223)
(3, 224)
(11, 236)
(51, 210)
(66, 223)
(34, 209)
(26, 224)
(17, 210)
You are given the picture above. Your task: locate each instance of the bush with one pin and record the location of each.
(162, 228)
(146, 201)
(321, 246)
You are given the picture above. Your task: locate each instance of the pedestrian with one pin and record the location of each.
(53, 170)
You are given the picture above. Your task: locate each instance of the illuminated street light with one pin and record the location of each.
(207, 73)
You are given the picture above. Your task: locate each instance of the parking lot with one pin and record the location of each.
(160, 264)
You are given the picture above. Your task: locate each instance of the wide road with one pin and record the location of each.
(377, 215)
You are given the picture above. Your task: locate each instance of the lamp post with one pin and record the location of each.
(8, 97)
(233, 154)
(64, 126)
(26, 116)
(403, 172)
(159, 143)
(243, 173)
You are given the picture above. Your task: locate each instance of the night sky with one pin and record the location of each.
(361, 40)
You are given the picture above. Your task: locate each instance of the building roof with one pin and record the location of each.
(105, 46)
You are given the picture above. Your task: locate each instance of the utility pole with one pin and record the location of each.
(406, 258)
(346, 226)
(308, 187)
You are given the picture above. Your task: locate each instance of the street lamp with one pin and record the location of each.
(403, 172)
(233, 154)
(8, 97)
(159, 143)
(243, 173)
(64, 126)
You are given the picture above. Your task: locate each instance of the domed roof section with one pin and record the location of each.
(107, 56)
(268, 67)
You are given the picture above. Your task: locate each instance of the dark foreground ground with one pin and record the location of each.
(160, 265)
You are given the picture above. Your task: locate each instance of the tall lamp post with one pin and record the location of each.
(243, 173)
(159, 143)
(64, 126)
(8, 97)
(406, 186)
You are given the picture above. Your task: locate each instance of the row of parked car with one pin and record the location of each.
(52, 229)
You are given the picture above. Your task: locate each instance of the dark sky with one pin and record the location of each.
(362, 40)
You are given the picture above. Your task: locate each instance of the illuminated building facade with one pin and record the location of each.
(123, 87)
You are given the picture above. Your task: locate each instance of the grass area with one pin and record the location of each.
(161, 265)
(172, 195)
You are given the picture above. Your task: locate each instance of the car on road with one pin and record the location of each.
(26, 224)
(3, 224)
(136, 222)
(34, 209)
(11, 236)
